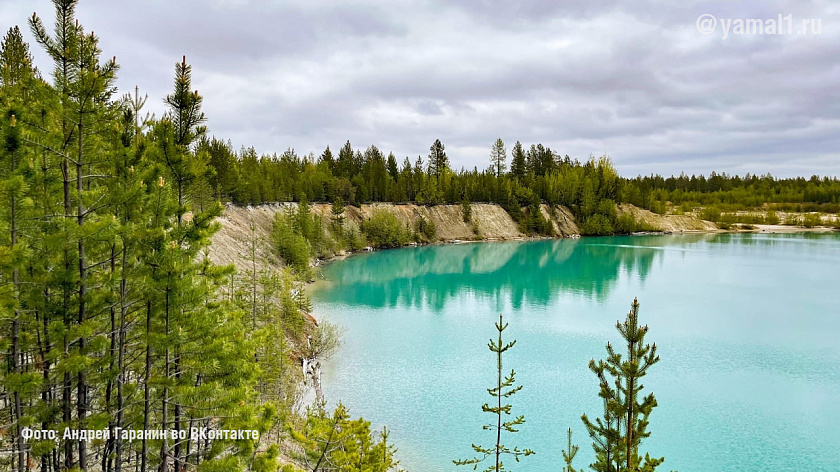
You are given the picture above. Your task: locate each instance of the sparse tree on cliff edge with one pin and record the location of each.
(504, 389)
(438, 162)
(518, 166)
(498, 156)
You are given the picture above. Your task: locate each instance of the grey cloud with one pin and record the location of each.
(634, 80)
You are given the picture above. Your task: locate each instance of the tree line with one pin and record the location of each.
(733, 192)
(536, 175)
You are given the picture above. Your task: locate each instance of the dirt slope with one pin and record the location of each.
(493, 222)
(668, 223)
(231, 242)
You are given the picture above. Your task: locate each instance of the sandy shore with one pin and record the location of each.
(791, 229)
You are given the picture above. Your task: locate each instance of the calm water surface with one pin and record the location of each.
(747, 326)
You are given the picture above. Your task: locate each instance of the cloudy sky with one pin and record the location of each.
(636, 81)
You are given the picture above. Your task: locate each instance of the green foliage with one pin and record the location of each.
(811, 220)
(425, 230)
(657, 207)
(466, 210)
(347, 236)
(711, 214)
(595, 225)
(726, 220)
(105, 219)
(291, 245)
(338, 206)
(311, 228)
(498, 156)
(438, 161)
(569, 454)
(335, 442)
(617, 436)
(384, 230)
(730, 193)
(504, 388)
(517, 165)
(627, 224)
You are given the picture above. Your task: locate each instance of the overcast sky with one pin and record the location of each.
(637, 82)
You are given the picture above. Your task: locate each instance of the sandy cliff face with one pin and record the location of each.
(231, 244)
(668, 223)
(488, 222)
(492, 221)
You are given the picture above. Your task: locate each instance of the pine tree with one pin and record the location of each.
(17, 76)
(618, 435)
(503, 389)
(109, 311)
(498, 156)
(16, 68)
(438, 162)
(82, 90)
(569, 453)
(335, 442)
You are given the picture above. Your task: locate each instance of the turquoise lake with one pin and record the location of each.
(747, 327)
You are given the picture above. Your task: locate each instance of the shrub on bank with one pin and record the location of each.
(710, 214)
(383, 229)
(811, 219)
(425, 230)
(596, 225)
(291, 245)
(626, 224)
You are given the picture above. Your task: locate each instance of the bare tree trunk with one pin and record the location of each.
(499, 396)
(164, 457)
(81, 387)
(67, 385)
(107, 459)
(16, 359)
(121, 358)
(146, 387)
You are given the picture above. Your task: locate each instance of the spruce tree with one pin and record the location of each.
(327, 158)
(518, 164)
(504, 388)
(393, 171)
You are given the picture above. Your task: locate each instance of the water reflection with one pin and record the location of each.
(746, 322)
(535, 270)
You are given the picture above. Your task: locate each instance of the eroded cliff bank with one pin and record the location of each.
(489, 222)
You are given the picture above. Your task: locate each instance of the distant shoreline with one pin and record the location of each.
(756, 229)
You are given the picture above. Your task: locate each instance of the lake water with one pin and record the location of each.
(747, 327)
